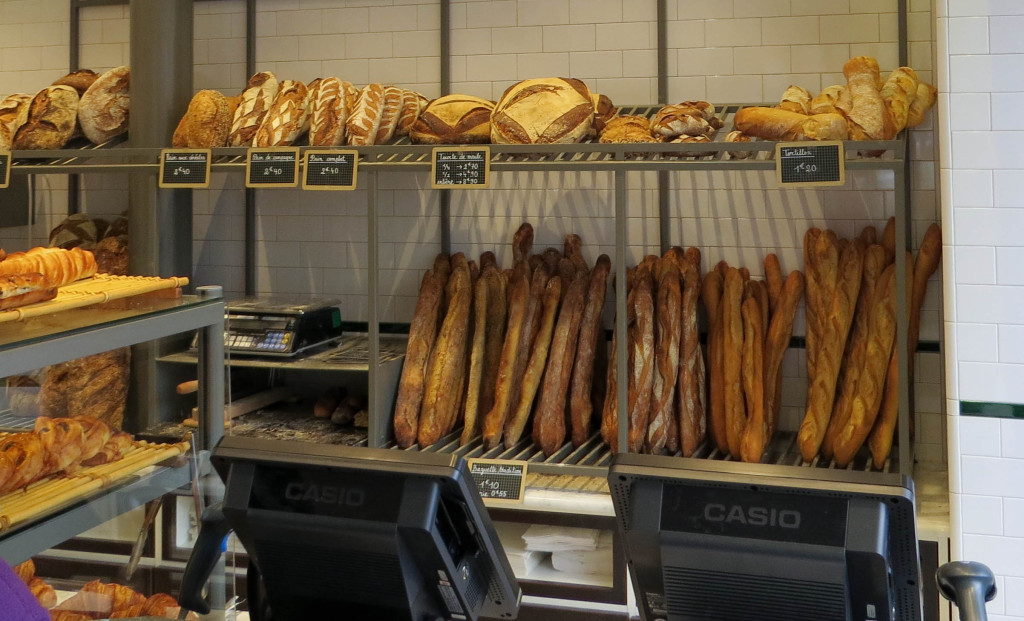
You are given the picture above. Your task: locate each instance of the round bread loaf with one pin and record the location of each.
(103, 111)
(51, 119)
(78, 230)
(454, 119)
(79, 80)
(543, 111)
(13, 112)
(206, 123)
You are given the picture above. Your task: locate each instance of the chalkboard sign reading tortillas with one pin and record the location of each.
(810, 163)
(459, 167)
(329, 170)
(5, 168)
(184, 168)
(272, 167)
(499, 480)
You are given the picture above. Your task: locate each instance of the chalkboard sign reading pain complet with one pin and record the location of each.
(329, 170)
(810, 163)
(499, 480)
(460, 167)
(184, 168)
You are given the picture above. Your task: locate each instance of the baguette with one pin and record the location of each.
(878, 352)
(610, 413)
(856, 348)
(522, 242)
(778, 124)
(57, 265)
(898, 92)
(869, 118)
(923, 100)
(732, 354)
(549, 419)
(773, 278)
(444, 368)
(669, 317)
(835, 329)
(581, 405)
(497, 285)
(536, 362)
(869, 235)
(572, 249)
(641, 380)
(518, 294)
(927, 262)
(712, 295)
(889, 240)
(754, 436)
(422, 334)
(776, 343)
(474, 381)
(692, 420)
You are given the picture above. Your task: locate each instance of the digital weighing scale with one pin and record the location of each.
(274, 326)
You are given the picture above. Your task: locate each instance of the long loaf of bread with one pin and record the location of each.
(692, 377)
(641, 380)
(878, 352)
(474, 381)
(497, 308)
(444, 368)
(610, 410)
(422, 333)
(712, 295)
(668, 315)
(536, 363)
(58, 265)
(549, 418)
(835, 330)
(755, 432)
(776, 343)
(732, 356)
(518, 296)
(581, 405)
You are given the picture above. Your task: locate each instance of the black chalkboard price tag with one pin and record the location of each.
(5, 168)
(810, 163)
(499, 480)
(325, 169)
(184, 168)
(460, 167)
(272, 167)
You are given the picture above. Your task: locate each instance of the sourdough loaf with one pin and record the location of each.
(328, 114)
(103, 109)
(51, 119)
(287, 117)
(454, 119)
(13, 110)
(543, 111)
(206, 124)
(257, 98)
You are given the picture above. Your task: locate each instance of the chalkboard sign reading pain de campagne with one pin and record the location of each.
(329, 170)
(460, 167)
(810, 163)
(499, 480)
(184, 168)
(272, 167)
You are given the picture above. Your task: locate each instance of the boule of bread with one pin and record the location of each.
(796, 99)
(103, 109)
(51, 118)
(13, 111)
(738, 136)
(924, 100)
(690, 140)
(284, 122)
(629, 128)
(869, 117)
(389, 115)
(328, 113)
(206, 124)
(543, 111)
(365, 119)
(898, 93)
(78, 230)
(410, 112)
(257, 98)
(454, 119)
(679, 120)
(79, 80)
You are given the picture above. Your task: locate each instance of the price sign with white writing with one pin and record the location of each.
(329, 170)
(810, 163)
(272, 167)
(499, 480)
(460, 167)
(5, 168)
(184, 168)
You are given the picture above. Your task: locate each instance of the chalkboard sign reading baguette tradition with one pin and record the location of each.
(329, 170)
(272, 167)
(460, 167)
(184, 168)
(499, 480)
(810, 163)
(5, 168)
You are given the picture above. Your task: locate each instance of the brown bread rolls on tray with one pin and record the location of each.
(103, 109)
(453, 119)
(543, 111)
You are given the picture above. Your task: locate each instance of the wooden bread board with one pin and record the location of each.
(46, 495)
(94, 290)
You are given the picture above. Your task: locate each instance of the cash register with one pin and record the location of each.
(280, 327)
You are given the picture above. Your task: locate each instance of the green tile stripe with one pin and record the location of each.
(984, 409)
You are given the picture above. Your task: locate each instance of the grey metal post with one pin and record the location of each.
(211, 375)
(621, 372)
(445, 196)
(906, 384)
(250, 193)
(377, 431)
(160, 222)
(664, 230)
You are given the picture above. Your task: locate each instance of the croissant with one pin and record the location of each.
(111, 451)
(45, 594)
(26, 453)
(62, 440)
(96, 434)
(68, 615)
(26, 571)
(158, 604)
(121, 597)
(58, 265)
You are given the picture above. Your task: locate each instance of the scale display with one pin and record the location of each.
(280, 326)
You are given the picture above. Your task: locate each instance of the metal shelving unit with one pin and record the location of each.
(49, 339)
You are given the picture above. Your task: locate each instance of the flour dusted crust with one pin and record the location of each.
(365, 119)
(284, 122)
(413, 104)
(543, 111)
(394, 99)
(206, 123)
(13, 112)
(454, 119)
(328, 114)
(103, 109)
(50, 120)
(256, 100)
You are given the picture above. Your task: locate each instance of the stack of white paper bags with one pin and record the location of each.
(523, 561)
(581, 551)
(596, 561)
